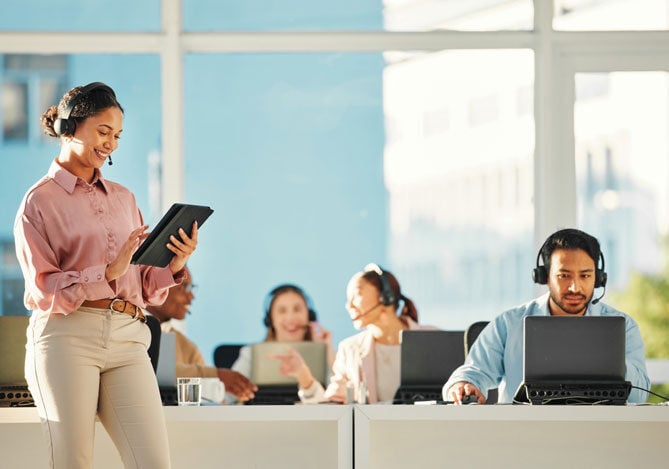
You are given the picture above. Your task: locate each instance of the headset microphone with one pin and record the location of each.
(368, 311)
(109, 161)
(596, 300)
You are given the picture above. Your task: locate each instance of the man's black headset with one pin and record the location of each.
(271, 296)
(388, 296)
(540, 272)
(63, 125)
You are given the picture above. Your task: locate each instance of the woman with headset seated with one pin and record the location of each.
(289, 317)
(367, 365)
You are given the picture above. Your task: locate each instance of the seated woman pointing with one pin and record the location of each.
(290, 317)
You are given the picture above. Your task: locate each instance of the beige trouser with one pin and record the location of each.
(94, 362)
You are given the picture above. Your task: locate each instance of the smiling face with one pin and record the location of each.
(571, 282)
(363, 302)
(93, 142)
(290, 317)
(178, 301)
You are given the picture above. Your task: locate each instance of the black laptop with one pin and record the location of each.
(574, 360)
(428, 357)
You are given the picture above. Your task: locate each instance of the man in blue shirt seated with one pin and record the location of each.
(570, 269)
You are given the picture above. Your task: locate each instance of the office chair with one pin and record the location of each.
(154, 346)
(226, 354)
(471, 333)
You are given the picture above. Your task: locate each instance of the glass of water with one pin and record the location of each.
(189, 391)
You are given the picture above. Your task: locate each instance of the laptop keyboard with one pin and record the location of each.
(275, 395)
(409, 396)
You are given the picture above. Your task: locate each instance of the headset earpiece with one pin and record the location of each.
(64, 125)
(387, 296)
(540, 273)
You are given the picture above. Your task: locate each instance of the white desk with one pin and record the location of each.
(386, 437)
(207, 437)
(511, 436)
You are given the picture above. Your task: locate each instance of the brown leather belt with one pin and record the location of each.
(118, 305)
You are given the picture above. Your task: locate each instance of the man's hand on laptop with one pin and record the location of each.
(237, 384)
(461, 391)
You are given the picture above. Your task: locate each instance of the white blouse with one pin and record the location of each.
(387, 371)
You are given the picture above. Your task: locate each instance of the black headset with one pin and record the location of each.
(388, 296)
(540, 272)
(63, 125)
(271, 296)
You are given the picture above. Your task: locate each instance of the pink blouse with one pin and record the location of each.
(66, 232)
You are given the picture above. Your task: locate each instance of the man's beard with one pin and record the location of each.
(565, 309)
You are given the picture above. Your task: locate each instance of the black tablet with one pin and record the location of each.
(153, 250)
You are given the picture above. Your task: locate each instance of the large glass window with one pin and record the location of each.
(288, 149)
(458, 169)
(30, 83)
(361, 15)
(330, 161)
(80, 15)
(622, 155)
(624, 15)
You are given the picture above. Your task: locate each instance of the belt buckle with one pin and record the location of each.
(135, 315)
(111, 305)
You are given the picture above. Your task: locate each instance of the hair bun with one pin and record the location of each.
(47, 120)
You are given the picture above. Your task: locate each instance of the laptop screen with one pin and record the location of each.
(13, 350)
(587, 348)
(166, 372)
(265, 371)
(430, 356)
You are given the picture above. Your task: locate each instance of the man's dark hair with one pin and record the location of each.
(570, 238)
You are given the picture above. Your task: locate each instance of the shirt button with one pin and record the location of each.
(85, 279)
(99, 277)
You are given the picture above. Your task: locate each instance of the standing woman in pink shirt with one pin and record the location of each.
(75, 235)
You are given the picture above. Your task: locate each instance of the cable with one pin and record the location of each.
(666, 399)
(575, 400)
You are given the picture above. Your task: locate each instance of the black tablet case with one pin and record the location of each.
(153, 250)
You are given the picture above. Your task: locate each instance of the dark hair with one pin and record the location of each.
(408, 307)
(570, 238)
(87, 104)
(273, 294)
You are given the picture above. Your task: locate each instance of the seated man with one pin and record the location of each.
(571, 271)
(189, 359)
